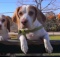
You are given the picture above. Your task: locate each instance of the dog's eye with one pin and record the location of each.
(31, 13)
(3, 20)
(20, 13)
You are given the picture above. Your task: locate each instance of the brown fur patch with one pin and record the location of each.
(34, 8)
(16, 16)
(7, 23)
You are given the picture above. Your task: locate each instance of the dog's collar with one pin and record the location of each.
(27, 31)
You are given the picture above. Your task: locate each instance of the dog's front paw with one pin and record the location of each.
(23, 44)
(49, 49)
(24, 48)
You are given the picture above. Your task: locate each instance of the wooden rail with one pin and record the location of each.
(13, 46)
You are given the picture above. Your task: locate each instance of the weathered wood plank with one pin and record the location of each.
(34, 47)
(13, 46)
(38, 42)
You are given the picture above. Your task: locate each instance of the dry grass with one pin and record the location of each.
(52, 37)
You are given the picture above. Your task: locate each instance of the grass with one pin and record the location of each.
(52, 37)
(38, 54)
(55, 37)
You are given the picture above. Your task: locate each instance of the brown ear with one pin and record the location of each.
(7, 22)
(10, 20)
(15, 15)
(8, 25)
(40, 16)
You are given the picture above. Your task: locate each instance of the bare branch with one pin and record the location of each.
(51, 6)
(53, 9)
(48, 4)
(19, 2)
(22, 2)
(37, 3)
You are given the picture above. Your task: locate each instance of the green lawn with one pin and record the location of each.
(54, 37)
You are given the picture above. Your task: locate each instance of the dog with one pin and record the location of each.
(28, 17)
(13, 26)
(4, 27)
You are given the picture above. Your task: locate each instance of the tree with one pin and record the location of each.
(58, 21)
(51, 5)
(50, 15)
(58, 16)
(51, 22)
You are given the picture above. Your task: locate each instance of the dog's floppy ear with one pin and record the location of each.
(40, 16)
(8, 22)
(15, 15)
(10, 19)
(8, 25)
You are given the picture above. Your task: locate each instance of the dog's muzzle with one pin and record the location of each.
(24, 22)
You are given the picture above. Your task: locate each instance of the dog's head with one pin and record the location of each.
(4, 23)
(25, 15)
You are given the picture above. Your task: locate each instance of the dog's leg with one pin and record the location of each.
(23, 44)
(47, 44)
(1, 38)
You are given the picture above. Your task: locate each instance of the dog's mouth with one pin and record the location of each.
(24, 26)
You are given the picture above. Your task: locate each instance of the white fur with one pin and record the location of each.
(4, 34)
(26, 16)
(3, 31)
(33, 35)
(0, 23)
(23, 44)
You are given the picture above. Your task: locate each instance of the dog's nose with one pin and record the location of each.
(24, 22)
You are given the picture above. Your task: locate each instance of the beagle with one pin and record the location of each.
(4, 27)
(13, 26)
(29, 18)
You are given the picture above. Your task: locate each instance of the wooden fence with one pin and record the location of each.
(13, 46)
